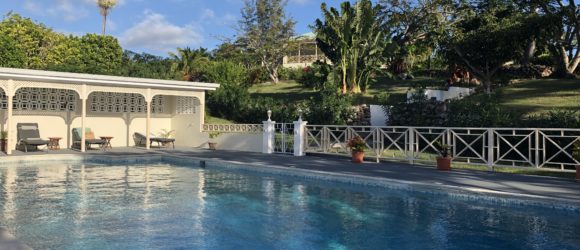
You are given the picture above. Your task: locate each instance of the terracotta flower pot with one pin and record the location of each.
(444, 163)
(358, 156)
(578, 173)
(212, 145)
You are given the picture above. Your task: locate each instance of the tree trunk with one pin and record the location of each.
(344, 78)
(274, 75)
(487, 83)
(529, 53)
(104, 23)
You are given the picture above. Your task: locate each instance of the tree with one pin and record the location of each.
(188, 62)
(105, 6)
(145, 65)
(354, 40)
(35, 40)
(564, 42)
(12, 55)
(489, 35)
(416, 26)
(265, 31)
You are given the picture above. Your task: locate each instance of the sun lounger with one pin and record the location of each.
(89, 139)
(140, 140)
(29, 136)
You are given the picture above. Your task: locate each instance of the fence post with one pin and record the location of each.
(411, 152)
(490, 148)
(268, 135)
(299, 137)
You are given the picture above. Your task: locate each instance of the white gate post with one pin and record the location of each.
(268, 135)
(299, 135)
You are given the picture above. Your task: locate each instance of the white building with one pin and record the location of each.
(109, 105)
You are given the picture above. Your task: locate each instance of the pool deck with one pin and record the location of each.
(471, 180)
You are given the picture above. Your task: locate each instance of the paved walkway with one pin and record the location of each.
(541, 186)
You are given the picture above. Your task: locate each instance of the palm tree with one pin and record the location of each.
(187, 60)
(353, 40)
(105, 6)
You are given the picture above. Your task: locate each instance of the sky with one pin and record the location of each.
(155, 26)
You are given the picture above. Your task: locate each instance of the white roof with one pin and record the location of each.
(90, 79)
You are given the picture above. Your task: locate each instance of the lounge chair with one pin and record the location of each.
(29, 136)
(89, 139)
(140, 140)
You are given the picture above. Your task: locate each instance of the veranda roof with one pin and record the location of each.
(101, 80)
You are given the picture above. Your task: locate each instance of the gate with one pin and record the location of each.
(284, 138)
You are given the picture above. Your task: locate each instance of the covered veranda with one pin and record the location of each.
(110, 106)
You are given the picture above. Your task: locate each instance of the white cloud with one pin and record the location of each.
(69, 10)
(154, 32)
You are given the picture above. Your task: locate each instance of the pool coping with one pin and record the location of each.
(452, 191)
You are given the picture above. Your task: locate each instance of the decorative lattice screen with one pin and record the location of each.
(41, 99)
(122, 102)
(185, 105)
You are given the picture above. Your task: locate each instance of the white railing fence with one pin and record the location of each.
(506, 147)
(541, 148)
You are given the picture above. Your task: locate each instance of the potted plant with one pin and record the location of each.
(357, 146)
(3, 140)
(211, 143)
(576, 155)
(444, 158)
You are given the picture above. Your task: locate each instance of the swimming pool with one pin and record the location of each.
(163, 206)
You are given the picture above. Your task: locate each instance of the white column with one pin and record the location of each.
(148, 125)
(83, 116)
(9, 129)
(268, 135)
(299, 137)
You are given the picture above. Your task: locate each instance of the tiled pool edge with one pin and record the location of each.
(459, 192)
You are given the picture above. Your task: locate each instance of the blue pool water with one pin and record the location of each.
(74, 206)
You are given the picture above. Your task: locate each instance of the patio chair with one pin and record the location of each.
(89, 139)
(140, 140)
(29, 137)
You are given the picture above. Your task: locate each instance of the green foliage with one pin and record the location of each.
(265, 31)
(315, 76)
(35, 40)
(485, 112)
(576, 149)
(12, 55)
(555, 119)
(420, 111)
(353, 40)
(146, 66)
(489, 34)
(225, 72)
(329, 107)
(188, 63)
(229, 101)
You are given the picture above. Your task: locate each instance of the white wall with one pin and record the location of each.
(54, 126)
(237, 142)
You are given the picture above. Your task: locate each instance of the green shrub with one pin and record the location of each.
(329, 107)
(228, 101)
(225, 72)
(315, 76)
(555, 119)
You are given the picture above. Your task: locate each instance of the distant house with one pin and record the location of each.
(304, 52)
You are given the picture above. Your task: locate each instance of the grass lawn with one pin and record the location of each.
(536, 96)
(291, 91)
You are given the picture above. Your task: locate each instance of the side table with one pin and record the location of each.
(107, 140)
(53, 143)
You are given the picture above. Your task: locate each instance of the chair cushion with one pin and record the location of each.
(89, 135)
(35, 142)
